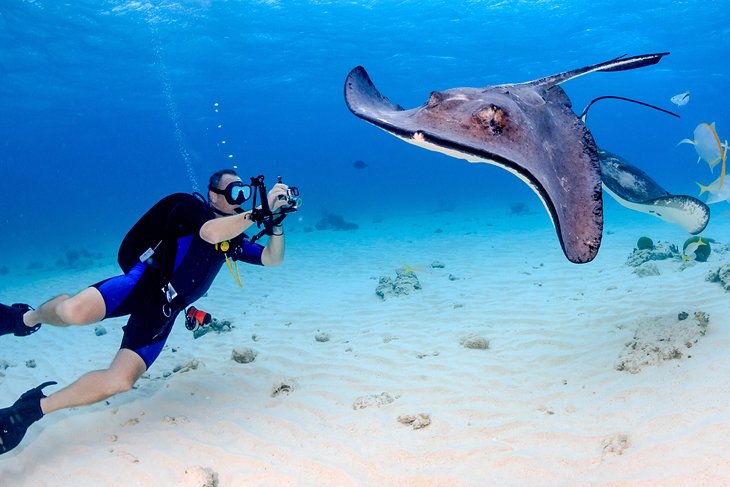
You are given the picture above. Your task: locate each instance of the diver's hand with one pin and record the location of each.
(278, 197)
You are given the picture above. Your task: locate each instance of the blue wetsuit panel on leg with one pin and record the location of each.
(150, 352)
(116, 289)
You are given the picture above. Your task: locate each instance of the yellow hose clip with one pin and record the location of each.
(236, 275)
(224, 247)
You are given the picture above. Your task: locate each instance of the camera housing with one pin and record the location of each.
(261, 213)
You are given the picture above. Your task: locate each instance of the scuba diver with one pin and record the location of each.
(170, 258)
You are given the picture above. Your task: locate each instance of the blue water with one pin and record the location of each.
(109, 105)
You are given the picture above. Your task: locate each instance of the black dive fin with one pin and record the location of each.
(15, 420)
(11, 320)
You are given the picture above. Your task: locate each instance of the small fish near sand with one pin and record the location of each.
(709, 148)
(681, 99)
(690, 251)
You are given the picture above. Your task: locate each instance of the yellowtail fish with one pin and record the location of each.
(680, 100)
(708, 147)
(689, 251)
(716, 192)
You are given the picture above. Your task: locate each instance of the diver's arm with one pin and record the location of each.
(225, 228)
(273, 253)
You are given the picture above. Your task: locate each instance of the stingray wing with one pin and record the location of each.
(634, 189)
(529, 131)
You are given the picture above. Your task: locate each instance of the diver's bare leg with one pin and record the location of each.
(98, 385)
(81, 309)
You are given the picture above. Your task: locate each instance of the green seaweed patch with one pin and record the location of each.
(645, 243)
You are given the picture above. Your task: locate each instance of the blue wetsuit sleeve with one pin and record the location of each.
(248, 252)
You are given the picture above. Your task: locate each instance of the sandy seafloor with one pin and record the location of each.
(544, 405)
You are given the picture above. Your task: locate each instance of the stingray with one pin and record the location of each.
(527, 128)
(634, 189)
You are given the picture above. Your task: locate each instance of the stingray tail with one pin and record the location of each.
(621, 63)
(584, 114)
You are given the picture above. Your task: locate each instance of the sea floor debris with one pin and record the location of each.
(661, 339)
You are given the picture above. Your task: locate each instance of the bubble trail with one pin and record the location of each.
(170, 104)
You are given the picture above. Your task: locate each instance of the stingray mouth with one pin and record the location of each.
(472, 154)
(452, 147)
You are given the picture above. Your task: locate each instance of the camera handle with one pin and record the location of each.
(264, 216)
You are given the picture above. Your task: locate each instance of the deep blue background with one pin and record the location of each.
(102, 102)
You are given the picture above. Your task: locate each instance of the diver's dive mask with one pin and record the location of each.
(236, 192)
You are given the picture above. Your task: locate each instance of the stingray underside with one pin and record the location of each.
(530, 131)
(633, 188)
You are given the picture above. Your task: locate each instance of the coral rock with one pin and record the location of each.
(660, 339)
(647, 269)
(200, 477)
(417, 421)
(243, 355)
(377, 400)
(405, 282)
(475, 341)
(721, 275)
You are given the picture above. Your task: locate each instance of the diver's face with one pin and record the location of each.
(218, 200)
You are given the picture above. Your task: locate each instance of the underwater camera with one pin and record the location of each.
(292, 195)
(258, 188)
(261, 213)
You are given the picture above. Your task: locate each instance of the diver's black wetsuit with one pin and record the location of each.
(183, 259)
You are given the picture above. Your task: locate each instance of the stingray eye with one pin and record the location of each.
(434, 99)
(492, 117)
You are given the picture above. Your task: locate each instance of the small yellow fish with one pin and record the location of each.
(689, 252)
(409, 269)
(708, 147)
